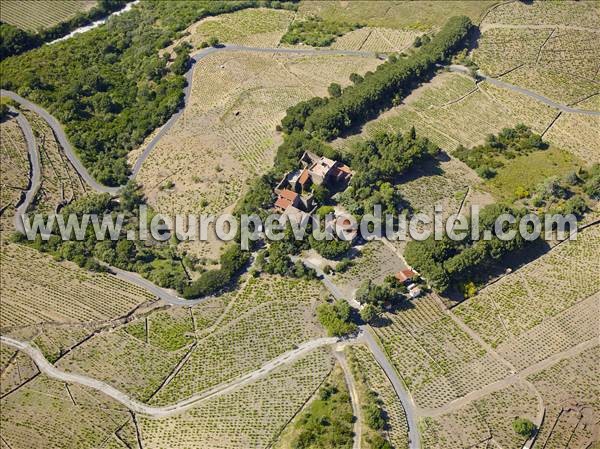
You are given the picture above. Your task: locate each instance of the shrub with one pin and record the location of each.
(523, 427)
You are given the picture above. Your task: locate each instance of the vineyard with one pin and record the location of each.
(385, 40)
(525, 298)
(123, 361)
(14, 170)
(251, 417)
(578, 133)
(570, 392)
(488, 418)
(21, 369)
(369, 373)
(60, 182)
(269, 316)
(47, 413)
(33, 15)
(548, 48)
(453, 110)
(37, 289)
(226, 136)
(256, 27)
(575, 14)
(558, 333)
(389, 14)
(437, 360)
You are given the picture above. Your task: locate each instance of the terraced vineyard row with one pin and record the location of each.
(437, 360)
(269, 317)
(522, 300)
(60, 182)
(571, 396)
(37, 289)
(364, 365)
(14, 170)
(250, 417)
(33, 15)
(479, 422)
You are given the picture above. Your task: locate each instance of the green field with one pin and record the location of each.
(529, 170)
(33, 15)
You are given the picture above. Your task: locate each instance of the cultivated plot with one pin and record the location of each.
(37, 289)
(35, 15)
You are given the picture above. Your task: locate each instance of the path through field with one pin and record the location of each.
(162, 412)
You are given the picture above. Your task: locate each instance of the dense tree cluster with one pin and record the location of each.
(508, 144)
(14, 41)
(327, 423)
(156, 261)
(390, 291)
(108, 86)
(377, 163)
(316, 32)
(336, 318)
(449, 263)
(232, 260)
(392, 80)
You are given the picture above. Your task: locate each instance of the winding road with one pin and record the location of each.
(169, 410)
(366, 335)
(157, 412)
(80, 168)
(540, 98)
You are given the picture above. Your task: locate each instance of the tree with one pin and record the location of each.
(355, 78)
(369, 313)
(523, 427)
(336, 318)
(335, 90)
(213, 41)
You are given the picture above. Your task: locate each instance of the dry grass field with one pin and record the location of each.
(34, 15)
(226, 135)
(375, 261)
(36, 289)
(251, 417)
(14, 170)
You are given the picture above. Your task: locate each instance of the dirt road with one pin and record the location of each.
(163, 412)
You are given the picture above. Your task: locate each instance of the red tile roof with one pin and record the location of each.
(405, 275)
(282, 203)
(304, 177)
(288, 194)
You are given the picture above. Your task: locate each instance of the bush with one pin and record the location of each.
(523, 427)
(316, 32)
